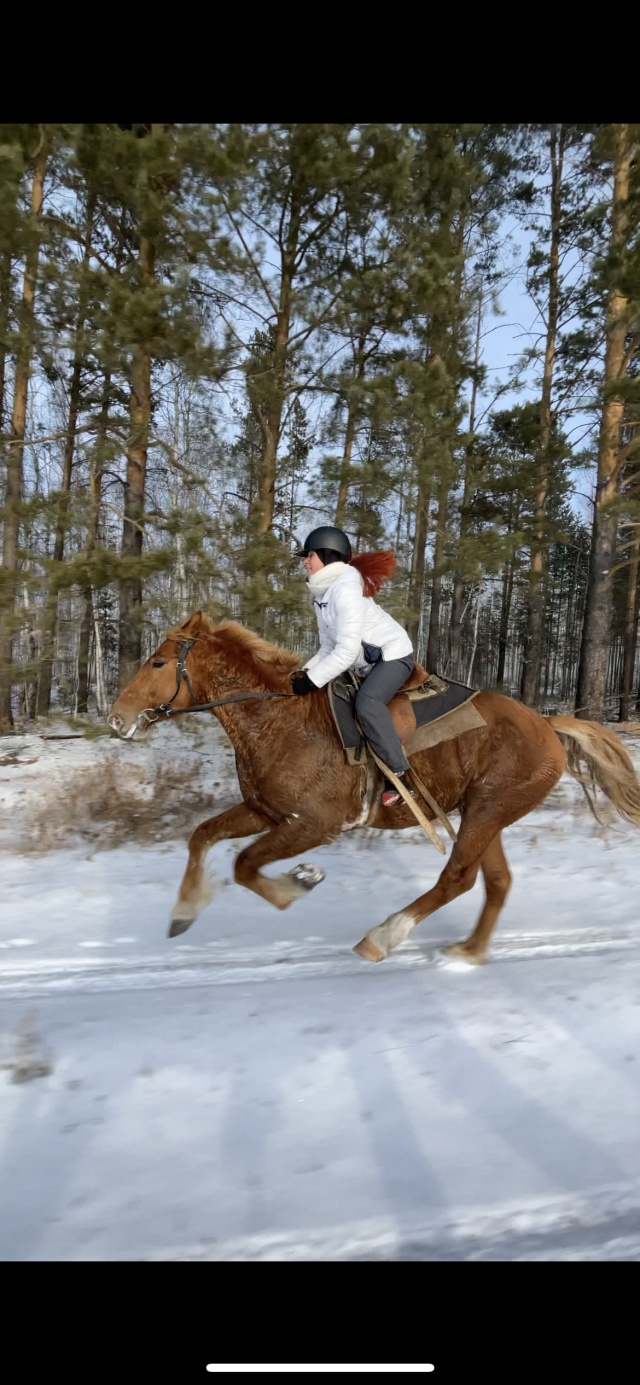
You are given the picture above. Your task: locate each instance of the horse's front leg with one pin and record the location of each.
(287, 839)
(195, 891)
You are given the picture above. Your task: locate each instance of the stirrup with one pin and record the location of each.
(390, 797)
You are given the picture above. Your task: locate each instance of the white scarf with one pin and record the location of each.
(319, 581)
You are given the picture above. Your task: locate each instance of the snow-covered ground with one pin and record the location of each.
(253, 1090)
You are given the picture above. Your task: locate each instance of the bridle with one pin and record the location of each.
(152, 714)
(181, 676)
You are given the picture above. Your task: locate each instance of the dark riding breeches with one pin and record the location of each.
(379, 686)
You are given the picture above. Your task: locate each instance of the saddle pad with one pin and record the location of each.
(463, 717)
(442, 711)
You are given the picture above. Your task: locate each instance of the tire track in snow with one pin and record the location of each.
(278, 962)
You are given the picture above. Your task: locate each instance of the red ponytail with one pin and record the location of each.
(374, 568)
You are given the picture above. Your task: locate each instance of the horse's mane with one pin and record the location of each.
(375, 568)
(249, 655)
(272, 663)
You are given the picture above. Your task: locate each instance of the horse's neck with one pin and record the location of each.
(255, 726)
(230, 678)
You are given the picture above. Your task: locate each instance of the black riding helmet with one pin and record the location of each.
(326, 537)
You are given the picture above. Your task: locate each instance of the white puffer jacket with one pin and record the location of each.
(347, 619)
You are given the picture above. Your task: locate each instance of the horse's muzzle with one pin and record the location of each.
(137, 728)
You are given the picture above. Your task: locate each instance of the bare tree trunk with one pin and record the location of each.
(457, 608)
(630, 632)
(400, 519)
(269, 409)
(84, 642)
(597, 620)
(30, 686)
(416, 583)
(182, 585)
(350, 432)
(568, 655)
(433, 644)
(11, 173)
(556, 636)
(50, 614)
(534, 641)
(345, 467)
(130, 631)
(547, 634)
(15, 448)
(96, 466)
(457, 600)
(475, 641)
(5, 299)
(101, 697)
(130, 640)
(505, 612)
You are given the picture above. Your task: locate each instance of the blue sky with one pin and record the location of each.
(505, 336)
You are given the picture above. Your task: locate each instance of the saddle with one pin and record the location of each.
(428, 709)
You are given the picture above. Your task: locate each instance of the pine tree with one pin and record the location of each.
(618, 283)
(294, 203)
(15, 447)
(554, 299)
(50, 612)
(240, 331)
(155, 259)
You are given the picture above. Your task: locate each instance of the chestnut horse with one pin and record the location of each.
(299, 792)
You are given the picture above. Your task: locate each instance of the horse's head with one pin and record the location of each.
(163, 679)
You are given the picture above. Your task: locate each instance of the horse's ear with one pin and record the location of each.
(196, 624)
(192, 623)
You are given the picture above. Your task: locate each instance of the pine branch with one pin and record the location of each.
(634, 346)
(316, 233)
(250, 257)
(76, 235)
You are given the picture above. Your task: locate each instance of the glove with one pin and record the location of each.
(301, 683)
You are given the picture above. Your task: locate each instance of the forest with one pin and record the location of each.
(215, 337)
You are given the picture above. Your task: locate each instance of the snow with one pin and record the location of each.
(254, 1091)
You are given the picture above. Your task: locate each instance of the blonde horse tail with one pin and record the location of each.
(593, 748)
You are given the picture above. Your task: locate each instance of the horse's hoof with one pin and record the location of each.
(369, 951)
(307, 875)
(381, 940)
(178, 926)
(461, 953)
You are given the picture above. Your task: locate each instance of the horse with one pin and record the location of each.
(299, 792)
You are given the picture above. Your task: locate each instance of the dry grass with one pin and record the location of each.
(27, 1058)
(114, 803)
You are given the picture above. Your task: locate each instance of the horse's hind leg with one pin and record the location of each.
(497, 881)
(482, 820)
(458, 876)
(195, 893)
(286, 839)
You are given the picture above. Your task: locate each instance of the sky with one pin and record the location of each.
(510, 331)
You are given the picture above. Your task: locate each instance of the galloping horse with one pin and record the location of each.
(299, 792)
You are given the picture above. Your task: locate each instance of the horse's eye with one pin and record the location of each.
(158, 663)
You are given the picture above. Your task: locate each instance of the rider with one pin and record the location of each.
(356, 633)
